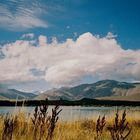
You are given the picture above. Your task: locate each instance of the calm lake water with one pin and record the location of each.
(74, 113)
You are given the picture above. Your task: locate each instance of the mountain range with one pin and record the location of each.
(105, 90)
(6, 93)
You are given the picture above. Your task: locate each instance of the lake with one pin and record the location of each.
(74, 113)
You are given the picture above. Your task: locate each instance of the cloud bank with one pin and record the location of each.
(68, 62)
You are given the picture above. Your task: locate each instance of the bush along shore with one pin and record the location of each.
(43, 126)
(84, 101)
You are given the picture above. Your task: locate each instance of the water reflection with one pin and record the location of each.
(73, 113)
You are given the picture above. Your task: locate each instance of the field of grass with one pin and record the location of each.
(120, 125)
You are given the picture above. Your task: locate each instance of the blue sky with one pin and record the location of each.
(107, 33)
(65, 18)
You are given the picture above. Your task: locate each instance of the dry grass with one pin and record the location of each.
(44, 126)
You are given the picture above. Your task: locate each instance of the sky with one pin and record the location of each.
(47, 44)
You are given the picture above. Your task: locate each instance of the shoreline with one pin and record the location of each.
(82, 102)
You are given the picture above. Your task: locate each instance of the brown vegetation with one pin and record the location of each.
(42, 126)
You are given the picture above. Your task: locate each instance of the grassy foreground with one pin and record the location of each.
(42, 126)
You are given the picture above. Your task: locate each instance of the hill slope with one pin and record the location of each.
(6, 93)
(106, 89)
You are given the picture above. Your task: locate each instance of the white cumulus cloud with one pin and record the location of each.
(68, 62)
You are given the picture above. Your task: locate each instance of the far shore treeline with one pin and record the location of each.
(82, 102)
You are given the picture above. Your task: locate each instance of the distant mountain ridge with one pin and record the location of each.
(105, 89)
(6, 93)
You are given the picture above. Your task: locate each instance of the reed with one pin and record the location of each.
(42, 122)
(101, 122)
(120, 130)
(9, 127)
